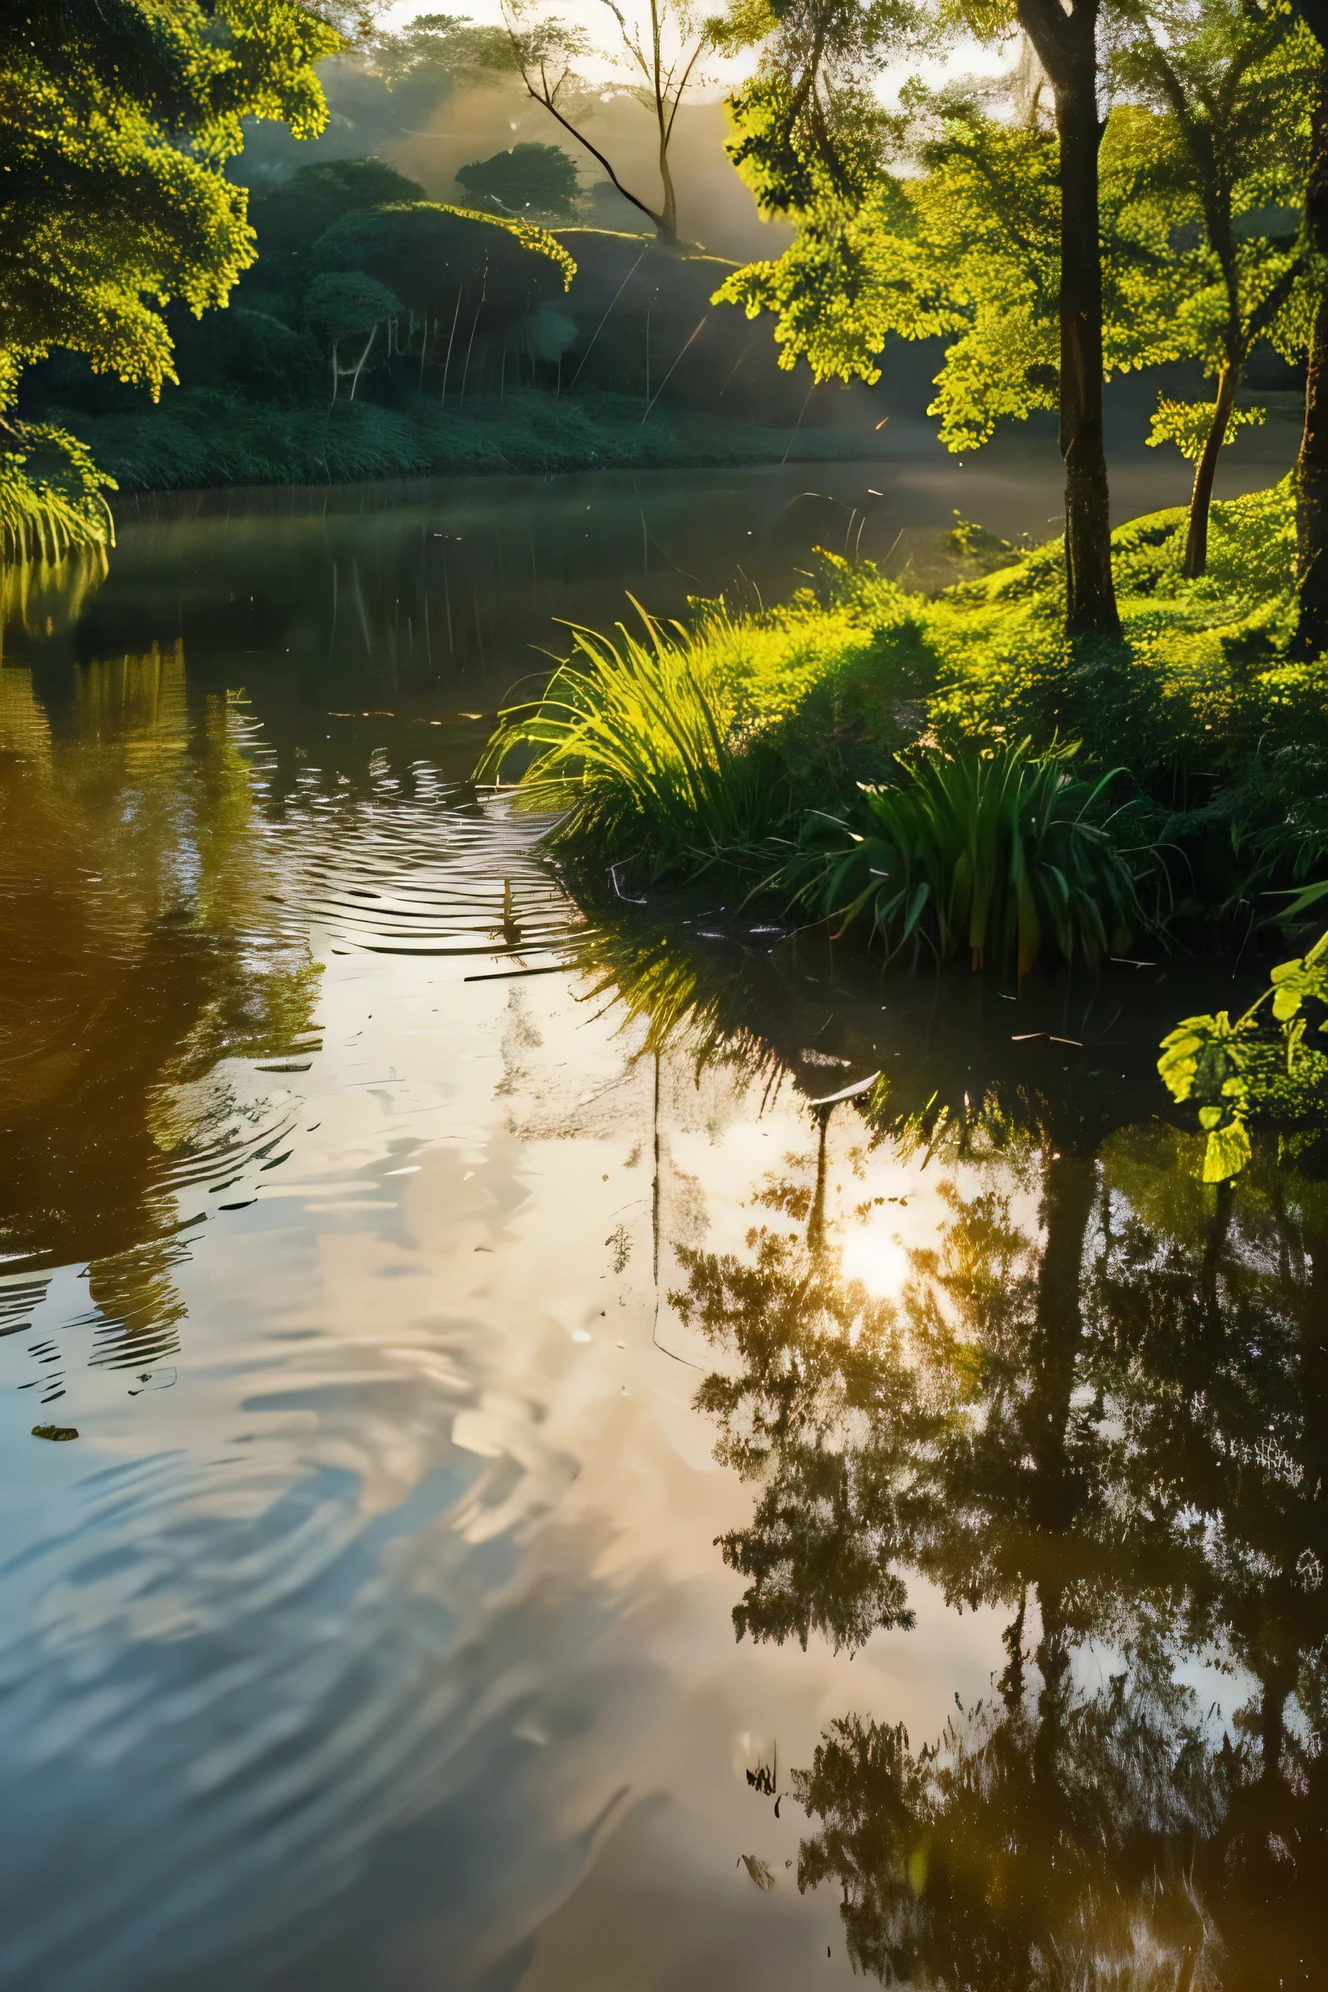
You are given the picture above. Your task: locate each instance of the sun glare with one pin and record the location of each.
(875, 1256)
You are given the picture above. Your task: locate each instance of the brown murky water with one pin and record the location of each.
(459, 1355)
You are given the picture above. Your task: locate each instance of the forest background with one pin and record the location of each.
(446, 350)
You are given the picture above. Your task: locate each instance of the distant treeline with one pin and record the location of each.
(366, 292)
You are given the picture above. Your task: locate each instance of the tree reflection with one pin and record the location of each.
(146, 942)
(1096, 1404)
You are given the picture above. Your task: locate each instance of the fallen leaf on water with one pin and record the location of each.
(71, 1432)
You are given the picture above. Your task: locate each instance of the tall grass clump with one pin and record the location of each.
(1000, 852)
(633, 744)
(51, 495)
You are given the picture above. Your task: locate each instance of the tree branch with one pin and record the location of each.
(546, 97)
(678, 95)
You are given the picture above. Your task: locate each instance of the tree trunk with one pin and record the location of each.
(1201, 498)
(816, 1219)
(359, 369)
(1311, 473)
(666, 221)
(1069, 1186)
(1090, 597)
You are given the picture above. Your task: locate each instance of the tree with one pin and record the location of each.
(1228, 151)
(1065, 39)
(117, 118)
(291, 216)
(969, 250)
(348, 305)
(1311, 473)
(428, 52)
(384, 87)
(812, 143)
(459, 274)
(656, 58)
(526, 176)
(966, 249)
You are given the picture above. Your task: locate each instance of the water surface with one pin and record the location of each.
(473, 1309)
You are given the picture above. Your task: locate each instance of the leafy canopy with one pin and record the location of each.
(426, 252)
(541, 177)
(943, 219)
(116, 120)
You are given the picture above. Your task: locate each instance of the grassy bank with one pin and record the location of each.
(200, 436)
(747, 740)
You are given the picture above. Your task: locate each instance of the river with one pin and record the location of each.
(435, 1320)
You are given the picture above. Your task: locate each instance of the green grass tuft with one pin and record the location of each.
(633, 742)
(1000, 854)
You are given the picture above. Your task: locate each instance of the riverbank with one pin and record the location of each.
(748, 744)
(201, 437)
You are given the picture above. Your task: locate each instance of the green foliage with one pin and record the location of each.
(1202, 165)
(441, 45)
(999, 853)
(1188, 424)
(207, 436)
(537, 177)
(1211, 160)
(637, 741)
(425, 250)
(290, 217)
(115, 130)
(716, 734)
(1258, 1067)
(809, 132)
(1228, 738)
(967, 250)
(51, 495)
(341, 303)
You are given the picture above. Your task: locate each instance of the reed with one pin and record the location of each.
(633, 743)
(1000, 853)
